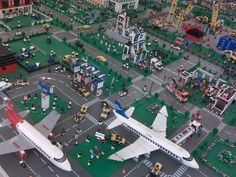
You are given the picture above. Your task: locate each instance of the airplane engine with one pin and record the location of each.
(22, 154)
(51, 137)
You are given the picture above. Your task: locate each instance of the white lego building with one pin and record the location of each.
(122, 24)
(120, 5)
(135, 50)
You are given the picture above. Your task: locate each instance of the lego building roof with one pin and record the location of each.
(6, 56)
(3, 50)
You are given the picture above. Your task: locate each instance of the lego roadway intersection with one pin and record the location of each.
(64, 64)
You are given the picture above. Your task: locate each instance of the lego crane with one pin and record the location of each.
(180, 20)
(172, 12)
(188, 10)
(182, 15)
(215, 22)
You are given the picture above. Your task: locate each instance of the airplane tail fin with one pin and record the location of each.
(120, 110)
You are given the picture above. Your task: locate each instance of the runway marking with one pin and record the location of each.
(2, 138)
(134, 168)
(57, 175)
(43, 160)
(29, 167)
(68, 96)
(25, 93)
(50, 168)
(35, 153)
(202, 173)
(76, 174)
(227, 132)
(74, 125)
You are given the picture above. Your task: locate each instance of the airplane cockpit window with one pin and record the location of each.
(188, 159)
(61, 159)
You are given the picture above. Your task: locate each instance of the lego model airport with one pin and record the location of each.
(117, 88)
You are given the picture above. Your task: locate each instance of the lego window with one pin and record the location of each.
(16, 2)
(5, 4)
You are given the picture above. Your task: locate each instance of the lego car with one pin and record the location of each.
(84, 109)
(21, 83)
(175, 47)
(123, 92)
(101, 58)
(156, 169)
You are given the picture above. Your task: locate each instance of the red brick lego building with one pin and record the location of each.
(12, 8)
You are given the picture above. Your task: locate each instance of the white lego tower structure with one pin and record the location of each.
(135, 49)
(46, 91)
(122, 24)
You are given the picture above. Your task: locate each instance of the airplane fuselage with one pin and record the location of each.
(43, 145)
(161, 142)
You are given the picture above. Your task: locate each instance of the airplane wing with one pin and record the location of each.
(5, 123)
(48, 123)
(15, 144)
(139, 147)
(159, 124)
(23, 114)
(130, 111)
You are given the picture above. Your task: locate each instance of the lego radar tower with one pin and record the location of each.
(46, 90)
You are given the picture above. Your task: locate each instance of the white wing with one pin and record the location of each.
(139, 147)
(130, 111)
(159, 124)
(15, 144)
(48, 123)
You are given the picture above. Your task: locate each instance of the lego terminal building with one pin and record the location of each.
(7, 61)
(13, 8)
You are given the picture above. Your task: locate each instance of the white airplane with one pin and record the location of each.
(4, 85)
(150, 139)
(30, 137)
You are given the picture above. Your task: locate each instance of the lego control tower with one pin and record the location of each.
(46, 91)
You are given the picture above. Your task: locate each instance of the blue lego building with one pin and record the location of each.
(226, 43)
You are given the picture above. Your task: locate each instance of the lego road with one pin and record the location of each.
(39, 166)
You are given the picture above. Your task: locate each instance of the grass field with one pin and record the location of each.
(24, 21)
(42, 49)
(37, 116)
(211, 156)
(101, 167)
(229, 115)
(42, 54)
(175, 119)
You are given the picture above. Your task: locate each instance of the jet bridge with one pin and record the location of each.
(192, 128)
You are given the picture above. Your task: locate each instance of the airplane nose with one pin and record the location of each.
(195, 164)
(67, 166)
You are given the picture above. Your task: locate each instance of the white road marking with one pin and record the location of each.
(50, 168)
(35, 153)
(43, 160)
(227, 132)
(76, 174)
